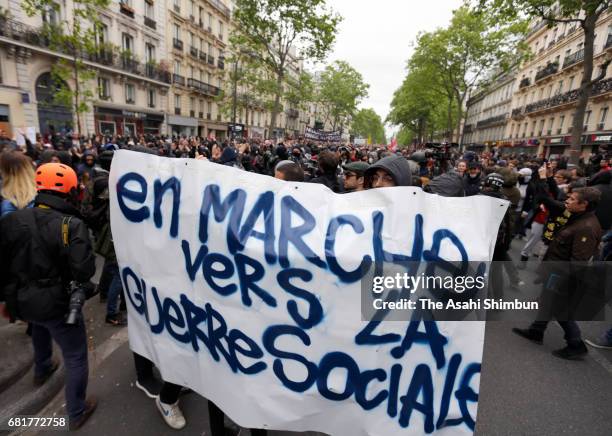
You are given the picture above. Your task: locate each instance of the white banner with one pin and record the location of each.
(246, 289)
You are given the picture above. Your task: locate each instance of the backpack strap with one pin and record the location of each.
(65, 231)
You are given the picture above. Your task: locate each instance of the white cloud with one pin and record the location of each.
(375, 37)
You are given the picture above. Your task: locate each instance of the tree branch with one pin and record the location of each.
(602, 73)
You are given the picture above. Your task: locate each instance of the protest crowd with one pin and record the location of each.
(55, 221)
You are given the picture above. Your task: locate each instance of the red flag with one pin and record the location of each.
(393, 145)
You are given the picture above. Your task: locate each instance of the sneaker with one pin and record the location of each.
(172, 414)
(532, 335)
(600, 343)
(90, 406)
(116, 320)
(150, 386)
(40, 380)
(571, 353)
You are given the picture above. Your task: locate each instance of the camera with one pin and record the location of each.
(78, 295)
(439, 151)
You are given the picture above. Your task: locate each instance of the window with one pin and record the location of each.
(192, 104)
(192, 72)
(51, 14)
(192, 8)
(130, 93)
(541, 127)
(151, 97)
(177, 67)
(177, 3)
(107, 127)
(201, 16)
(561, 121)
(560, 88)
(221, 29)
(192, 39)
(571, 83)
(202, 48)
(127, 42)
(177, 102)
(102, 34)
(176, 31)
(103, 88)
(587, 118)
(149, 9)
(209, 107)
(201, 106)
(550, 125)
(149, 52)
(550, 91)
(126, 2)
(602, 118)
(210, 22)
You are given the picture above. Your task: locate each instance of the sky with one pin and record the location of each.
(375, 37)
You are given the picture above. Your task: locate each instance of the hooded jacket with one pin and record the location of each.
(397, 167)
(449, 184)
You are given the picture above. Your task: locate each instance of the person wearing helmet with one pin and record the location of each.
(45, 258)
(492, 187)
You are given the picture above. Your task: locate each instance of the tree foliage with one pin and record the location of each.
(341, 89)
(368, 124)
(271, 30)
(452, 61)
(78, 38)
(584, 13)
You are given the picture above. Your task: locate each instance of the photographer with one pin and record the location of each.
(46, 256)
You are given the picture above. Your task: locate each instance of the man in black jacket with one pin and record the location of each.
(44, 249)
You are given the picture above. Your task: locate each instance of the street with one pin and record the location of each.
(570, 397)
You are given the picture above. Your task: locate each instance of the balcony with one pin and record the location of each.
(525, 82)
(548, 70)
(211, 60)
(574, 58)
(601, 87)
(150, 23)
(292, 113)
(518, 113)
(202, 56)
(128, 63)
(126, 10)
(492, 121)
(608, 41)
(152, 71)
(203, 88)
(193, 51)
(105, 54)
(177, 44)
(220, 7)
(178, 79)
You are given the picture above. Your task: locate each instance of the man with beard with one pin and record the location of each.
(354, 176)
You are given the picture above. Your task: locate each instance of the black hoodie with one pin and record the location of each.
(397, 167)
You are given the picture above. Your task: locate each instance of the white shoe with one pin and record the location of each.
(172, 414)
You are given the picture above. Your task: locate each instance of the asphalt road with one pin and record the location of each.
(524, 389)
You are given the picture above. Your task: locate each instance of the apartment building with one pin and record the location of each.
(131, 83)
(197, 39)
(543, 106)
(488, 112)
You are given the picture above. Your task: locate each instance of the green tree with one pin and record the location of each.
(422, 105)
(465, 53)
(584, 13)
(273, 29)
(368, 124)
(77, 37)
(341, 89)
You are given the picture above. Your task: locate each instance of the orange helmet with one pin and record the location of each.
(55, 177)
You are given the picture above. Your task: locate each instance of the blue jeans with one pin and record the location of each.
(114, 290)
(72, 340)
